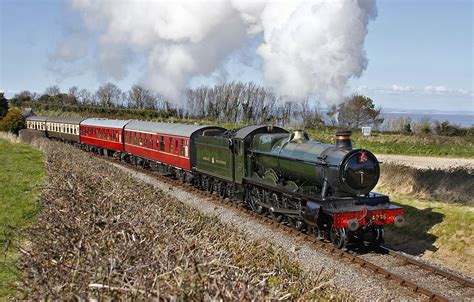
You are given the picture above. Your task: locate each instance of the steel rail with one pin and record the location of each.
(437, 270)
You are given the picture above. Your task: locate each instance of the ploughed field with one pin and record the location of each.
(101, 234)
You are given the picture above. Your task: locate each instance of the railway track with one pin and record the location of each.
(435, 283)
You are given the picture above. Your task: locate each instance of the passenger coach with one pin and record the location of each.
(36, 122)
(103, 135)
(165, 143)
(64, 128)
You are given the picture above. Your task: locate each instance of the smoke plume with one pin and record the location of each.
(307, 48)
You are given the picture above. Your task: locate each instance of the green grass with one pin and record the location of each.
(416, 144)
(437, 230)
(21, 175)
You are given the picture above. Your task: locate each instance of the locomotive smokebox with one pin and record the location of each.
(343, 140)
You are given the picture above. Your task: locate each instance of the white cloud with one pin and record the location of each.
(410, 90)
(400, 88)
(441, 89)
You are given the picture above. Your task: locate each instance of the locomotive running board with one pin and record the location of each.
(373, 200)
(266, 185)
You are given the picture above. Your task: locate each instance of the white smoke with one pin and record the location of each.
(308, 48)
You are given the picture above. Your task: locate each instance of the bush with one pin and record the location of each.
(447, 129)
(13, 121)
(3, 106)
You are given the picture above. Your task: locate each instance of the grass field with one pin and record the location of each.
(439, 231)
(420, 145)
(21, 175)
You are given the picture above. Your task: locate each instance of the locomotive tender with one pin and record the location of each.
(319, 188)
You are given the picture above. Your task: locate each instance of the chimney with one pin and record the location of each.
(343, 140)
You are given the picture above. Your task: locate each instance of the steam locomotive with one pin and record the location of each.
(314, 187)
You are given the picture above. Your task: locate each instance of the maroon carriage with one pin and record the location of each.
(103, 134)
(165, 143)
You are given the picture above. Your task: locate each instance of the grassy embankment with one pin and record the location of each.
(21, 175)
(379, 143)
(436, 230)
(439, 208)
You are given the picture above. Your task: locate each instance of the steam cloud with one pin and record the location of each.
(307, 48)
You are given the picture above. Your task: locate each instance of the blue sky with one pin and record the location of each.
(420, 53)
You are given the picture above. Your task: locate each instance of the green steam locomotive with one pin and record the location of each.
(324, 189)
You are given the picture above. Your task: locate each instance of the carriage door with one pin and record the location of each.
(238, 160)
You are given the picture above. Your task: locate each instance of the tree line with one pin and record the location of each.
(232, 102)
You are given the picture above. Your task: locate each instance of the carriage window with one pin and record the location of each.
(182, 147)
(171, 148)
(157, 146)
(162, 143)
(146, 142)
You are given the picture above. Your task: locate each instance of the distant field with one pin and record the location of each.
(21, 175)
(419, 145)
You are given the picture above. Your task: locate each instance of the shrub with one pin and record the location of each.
(13, 121)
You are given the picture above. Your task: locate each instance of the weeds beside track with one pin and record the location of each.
(102, 234)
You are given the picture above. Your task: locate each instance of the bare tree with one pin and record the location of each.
(72, 95)
(52, 90)
(84, 96)
(109, 95)
(142, 98)
(332, 114)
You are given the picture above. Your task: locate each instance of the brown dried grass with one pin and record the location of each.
(101, 234)
(455, 185)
